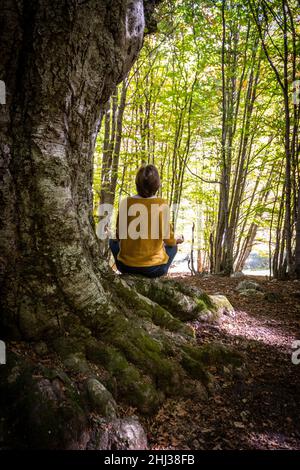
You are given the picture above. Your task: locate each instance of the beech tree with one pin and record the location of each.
(61, 61)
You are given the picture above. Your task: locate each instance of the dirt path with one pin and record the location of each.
(258, 409)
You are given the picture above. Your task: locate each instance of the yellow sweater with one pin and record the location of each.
(143, 226)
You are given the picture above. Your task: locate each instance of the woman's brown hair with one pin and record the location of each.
(147, 181)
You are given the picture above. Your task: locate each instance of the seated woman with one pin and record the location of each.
(150, 250)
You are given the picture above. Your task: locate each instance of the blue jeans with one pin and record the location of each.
(147, 271)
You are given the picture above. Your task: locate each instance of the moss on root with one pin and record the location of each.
(214, 354)
(195, 368)
(130, 352)
(133, 346)
(155, 353)
(204, 299)
(137, 389)
(64, 346)
(150, 355)
(163, 318)
(149, 309)
(147, 352)
(179, 300)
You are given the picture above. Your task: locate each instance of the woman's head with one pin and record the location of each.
(147, 181)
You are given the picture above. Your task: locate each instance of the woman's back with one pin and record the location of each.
(145, 240)
(143, 229)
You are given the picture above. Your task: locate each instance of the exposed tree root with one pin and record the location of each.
(148, 353)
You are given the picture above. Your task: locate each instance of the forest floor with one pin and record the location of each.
(256, 410)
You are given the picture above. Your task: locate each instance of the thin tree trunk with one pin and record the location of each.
(247, 247)
(297, 248)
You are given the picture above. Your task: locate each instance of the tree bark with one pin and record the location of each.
(70, 56)
(60, 62)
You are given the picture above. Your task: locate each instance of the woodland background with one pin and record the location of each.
(213, 101)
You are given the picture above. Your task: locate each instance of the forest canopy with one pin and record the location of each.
(213, 101)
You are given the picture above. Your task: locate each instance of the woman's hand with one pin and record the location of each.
(179, 240)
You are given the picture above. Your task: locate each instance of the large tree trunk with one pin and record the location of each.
(60, 62)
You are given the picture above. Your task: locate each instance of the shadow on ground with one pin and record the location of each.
(252, 408)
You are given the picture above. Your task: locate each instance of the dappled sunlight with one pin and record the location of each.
(266, 331)
(271, 440)
(257, 406)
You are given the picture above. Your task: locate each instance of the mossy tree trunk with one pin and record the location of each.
(60, 62)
